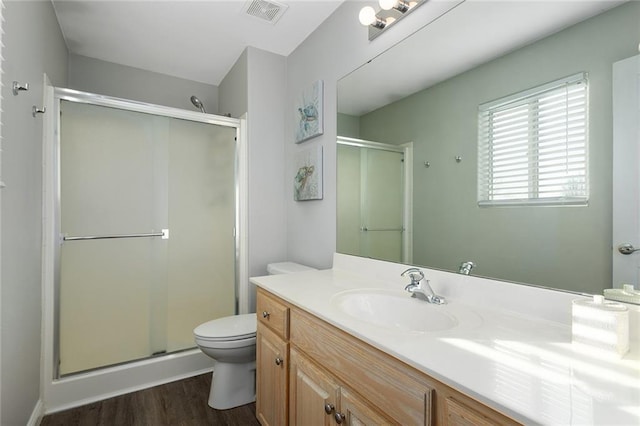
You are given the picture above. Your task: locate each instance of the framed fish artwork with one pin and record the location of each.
(308, 112)
(307, 181)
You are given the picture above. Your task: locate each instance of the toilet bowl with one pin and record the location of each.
(231, 342)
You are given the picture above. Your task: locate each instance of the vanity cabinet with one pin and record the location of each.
(327, 377)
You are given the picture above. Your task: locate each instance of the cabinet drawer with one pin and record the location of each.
(388, 384)
(273, 313)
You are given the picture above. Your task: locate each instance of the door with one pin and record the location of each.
(314, 395)
(356, 412)
(272, 364)
(382, 201)
(626, 176)
(147, 214)
(373, 217)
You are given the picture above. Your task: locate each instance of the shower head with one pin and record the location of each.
(198, 103)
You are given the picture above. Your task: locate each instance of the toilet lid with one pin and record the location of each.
(228, 328)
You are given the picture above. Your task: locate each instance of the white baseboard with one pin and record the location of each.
(36, 415)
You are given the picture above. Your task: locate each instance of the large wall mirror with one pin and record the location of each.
(426, 91)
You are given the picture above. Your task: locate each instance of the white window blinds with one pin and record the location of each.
(532, 146)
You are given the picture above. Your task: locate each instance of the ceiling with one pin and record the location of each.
(195, 40)
(201, 40)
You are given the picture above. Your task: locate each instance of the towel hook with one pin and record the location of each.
(18, 87)
(35, 110)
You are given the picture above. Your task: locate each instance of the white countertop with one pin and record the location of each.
(522, 365)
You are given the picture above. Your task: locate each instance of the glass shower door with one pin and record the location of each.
(382, 204)
(370, 202)
(132, 175)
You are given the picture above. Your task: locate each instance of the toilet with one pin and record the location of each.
(231, 342)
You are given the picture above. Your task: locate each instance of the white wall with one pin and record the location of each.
(267, 215)
(232, 92)
(336, 48)
(33, 45)
(120, 81)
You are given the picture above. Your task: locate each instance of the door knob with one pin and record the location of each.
(627, 248)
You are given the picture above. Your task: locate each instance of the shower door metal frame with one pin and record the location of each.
(53, 237)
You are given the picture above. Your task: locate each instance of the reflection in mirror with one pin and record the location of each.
(373, 206)
(560, 246)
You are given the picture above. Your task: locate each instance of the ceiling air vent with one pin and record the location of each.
(269, 11)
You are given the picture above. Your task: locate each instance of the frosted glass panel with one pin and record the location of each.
(106, 170)
(349, 216)
(104, 303)
(383, 189)
(370, 202)
(382, 204)
(124, 172)
(201, 262)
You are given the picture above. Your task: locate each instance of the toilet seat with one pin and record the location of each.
(236, 327)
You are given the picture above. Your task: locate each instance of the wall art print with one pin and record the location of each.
(308, 112)
(307, 182)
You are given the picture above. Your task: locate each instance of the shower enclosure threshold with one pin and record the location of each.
(84, 388)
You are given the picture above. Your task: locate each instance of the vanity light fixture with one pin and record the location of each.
(401, 5)
(368, 17)
(390, 12)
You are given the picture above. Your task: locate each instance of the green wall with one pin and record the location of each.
(562, 247)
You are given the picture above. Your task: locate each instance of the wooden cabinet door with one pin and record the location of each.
(356, 412)
(272, 365)
(313, 394)
(458, 414)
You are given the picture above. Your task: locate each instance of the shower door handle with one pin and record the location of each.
(164, 234)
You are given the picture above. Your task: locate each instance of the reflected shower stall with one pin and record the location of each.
(373, 199)
(146, 213)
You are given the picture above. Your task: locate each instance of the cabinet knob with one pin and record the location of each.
(339, 417)
(265, 314)
(328, 408)
(279, 361)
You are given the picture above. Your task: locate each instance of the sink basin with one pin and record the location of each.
(395, 309)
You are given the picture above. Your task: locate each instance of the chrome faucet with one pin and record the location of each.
(466, 267)
(420, 288)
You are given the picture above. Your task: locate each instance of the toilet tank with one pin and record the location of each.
(287, 268)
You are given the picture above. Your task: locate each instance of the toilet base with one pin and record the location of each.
(232, 385)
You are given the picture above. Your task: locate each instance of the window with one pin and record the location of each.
(532, 146)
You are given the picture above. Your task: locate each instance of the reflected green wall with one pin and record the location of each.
(563, 247)
(348, 126)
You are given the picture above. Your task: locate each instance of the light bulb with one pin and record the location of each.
(387, 4)
(367, 15)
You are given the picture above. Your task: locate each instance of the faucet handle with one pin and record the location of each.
(415, 274)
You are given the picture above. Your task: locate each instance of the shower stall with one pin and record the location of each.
(374, 199)
(142, 236)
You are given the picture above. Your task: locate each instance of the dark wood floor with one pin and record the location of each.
(181, 403)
